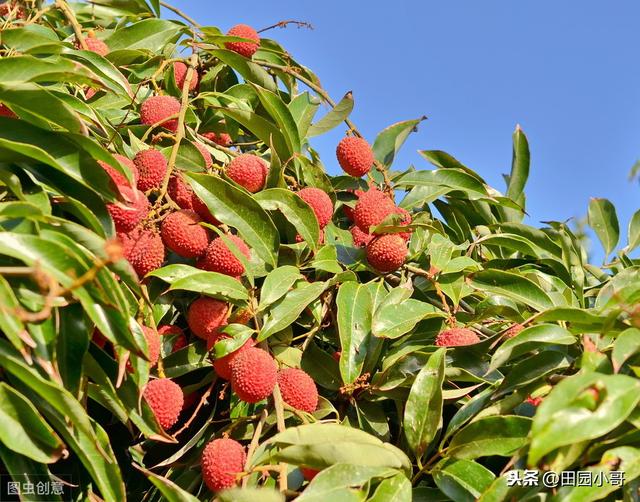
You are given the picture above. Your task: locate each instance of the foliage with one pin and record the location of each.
(399, 418)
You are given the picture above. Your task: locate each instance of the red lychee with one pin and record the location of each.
(95, 45)
(456, 337)
(179, 343)
(222, 460)
(169, 329)
(6, 111)
(222, 366)
(348, 211)
(253, 375)
(336, 356)
(165, 397)
(513, 331)
(246, 49)
(221, 138)
(248, 171)
(127, 215)
(117, 177)
(143, 249)
(533, 401)
(308, 473)
(298, 389)
(208, 161)
(10, 7)
(360, 238)
(180, 75)
(153, 344)
(320, 202)
(157, 109)
(386, 253)
(406, 220)
(182, 194)
(182, 233)
(219, 258)
(152, 168)
(355, 156)
(320, 237)
(206, 316)
(372, 208)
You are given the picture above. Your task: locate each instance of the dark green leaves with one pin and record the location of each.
(148, 34)
(423, 412)
(502, 435)
(513, 286)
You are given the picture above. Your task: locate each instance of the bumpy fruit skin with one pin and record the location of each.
(206, 316)
(127, 215)
(387, 253)
(222, 460)
(406, 220)
(117, 177)
(372, 208)
(222, 138)
(308, 473)
(7, 112)
(219, 258)
(153, 343)
(320, 238)
(7, 7)
(169, 329)
(349, 211)
(320, 202)
(222, 366)
(208, 161)
(157, 108)
(513, 331)
(182, 233)
(152, 168)
(456, 337)
(95, 45)
(354, 156)
(182, 194)
(143, 249)
(166, 399)
(180, 75)
(360, 238)
(253, 375)
(246, 49)
(248, 171)
(298, 389)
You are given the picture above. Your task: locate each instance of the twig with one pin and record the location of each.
(68, 13)
(279, 407)
(283, 24)
(254, 443)
(184, 16)
(430, 278)
(195, 412)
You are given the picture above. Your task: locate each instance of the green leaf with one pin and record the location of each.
(235, 208)
(250, 71)
(452, 178)
(24, 431)
(281, 116)
(626, 344)
(633, 234)
(250, 495)
(571, 413)
(393, 321)
(303, 108)
(295, 210)
(397, 489)
(148, 34)
(531, 338)
(390, 140)
(170, 491)
(501, 436)
(334, 117)
(208, 283)
(462, 480)
(604, 221)
(277, 283)
(423, 412)
(512, 286)
(354, 328)
(286, 310)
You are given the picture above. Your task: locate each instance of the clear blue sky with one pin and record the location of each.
(567, 71)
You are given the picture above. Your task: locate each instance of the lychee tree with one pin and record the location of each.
(191, 308)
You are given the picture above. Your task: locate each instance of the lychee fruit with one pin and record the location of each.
(360, 238)
(248, 171)
(156, 110)
(208, 161)
(117, 177)
(320, 202)
(320, 237)
(336, 356)
(182, 194)
(169, 329)
(298, 389)
(456, 337)
(7, 7)
(5, 111)
(180, 75)
(165, 398)
(308, 473)
(221, 138)
(355, 156)
(143, 249)
(219, 258)
(222, 460)
(152, 168)
(95, 45)
(372, 208)
(253, 375)
(153, 345)
(348, 211)
(387, 253)
(127, 215)
(406, 220)
(206, 316)
(182, 233)
(222, 366)
(533, 401)
(246, 49)
(513, 331)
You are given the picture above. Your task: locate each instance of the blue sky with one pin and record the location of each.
(566, 71)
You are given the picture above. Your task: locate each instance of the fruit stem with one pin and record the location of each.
(283, 24)
(254, 444)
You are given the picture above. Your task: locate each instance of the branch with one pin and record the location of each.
(284, 24)
(184, 16)
(71, 17)
(279, 406)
